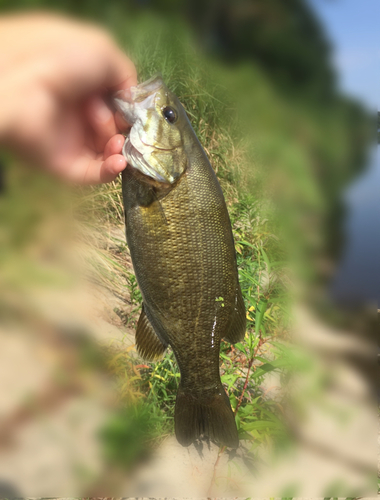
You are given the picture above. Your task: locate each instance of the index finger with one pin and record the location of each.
(122, 72)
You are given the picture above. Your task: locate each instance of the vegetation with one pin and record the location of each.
(261, 231)
(267, 124)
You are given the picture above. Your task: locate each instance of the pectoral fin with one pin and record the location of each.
(237, 326)
(149, 346)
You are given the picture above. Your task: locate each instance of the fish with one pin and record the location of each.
(181, 244)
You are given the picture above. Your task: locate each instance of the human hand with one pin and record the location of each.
(55, 74)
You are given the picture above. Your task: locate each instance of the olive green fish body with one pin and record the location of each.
(183, 254)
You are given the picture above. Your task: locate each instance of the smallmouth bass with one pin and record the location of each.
(181, 244)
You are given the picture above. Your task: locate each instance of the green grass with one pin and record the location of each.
(261, 252)
(275, 160)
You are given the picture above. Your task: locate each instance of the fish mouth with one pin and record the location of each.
(143, 90)
(130, 103)
(155, 147)
(125, 100)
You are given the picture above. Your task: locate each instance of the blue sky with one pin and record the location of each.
(353, 27)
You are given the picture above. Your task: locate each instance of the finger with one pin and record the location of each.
(30, 130)
(122, 71)
(114, 146)
(102, 121)
(86, 63)
(88, 152)
(112, 167)
(89, 138)
(121, 124)
(93, 171)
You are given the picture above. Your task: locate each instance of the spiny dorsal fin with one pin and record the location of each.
(236, 330)
(149, 346)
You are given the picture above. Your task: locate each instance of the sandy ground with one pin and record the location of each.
(335, 453)
(52, 409)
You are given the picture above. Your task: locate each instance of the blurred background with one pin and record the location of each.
(283, 95)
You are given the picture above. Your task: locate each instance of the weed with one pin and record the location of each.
(241, 164)
(244, 366)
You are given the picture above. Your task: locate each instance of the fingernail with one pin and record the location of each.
(120, 164)
(100, 110)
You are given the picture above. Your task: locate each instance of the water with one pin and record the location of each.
(358, 277)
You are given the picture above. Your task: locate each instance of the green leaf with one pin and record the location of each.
(266, 260)
(260, 310)
(264, 424)
(239, 346)
(246, 243)
(268, 367)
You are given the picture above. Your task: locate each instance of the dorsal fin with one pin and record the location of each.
(149, 346)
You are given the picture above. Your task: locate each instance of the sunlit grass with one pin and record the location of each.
(263, 276)
(271, 150)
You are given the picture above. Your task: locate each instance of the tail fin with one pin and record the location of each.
(212, 418)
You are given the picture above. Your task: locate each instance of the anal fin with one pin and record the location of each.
(237, 326)
(149, 346)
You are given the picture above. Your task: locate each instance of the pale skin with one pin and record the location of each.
(55, 75)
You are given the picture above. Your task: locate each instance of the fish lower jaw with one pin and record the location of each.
(137, 160)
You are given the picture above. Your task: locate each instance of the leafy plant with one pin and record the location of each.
(290, 141)
(262, 273)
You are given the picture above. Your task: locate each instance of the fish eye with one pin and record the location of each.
(169, 114)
